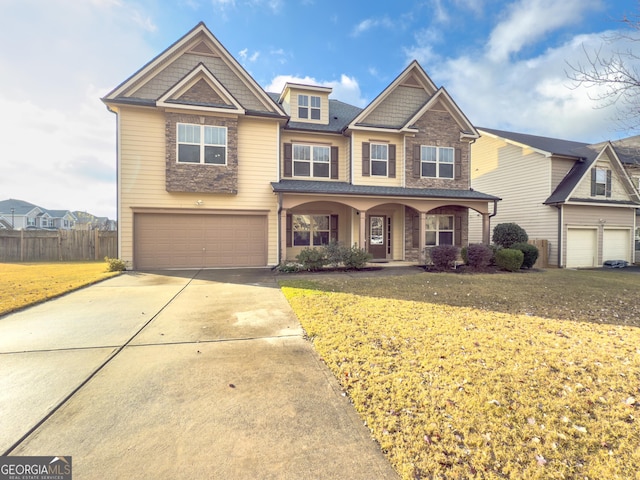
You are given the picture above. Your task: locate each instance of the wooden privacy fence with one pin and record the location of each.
(59, 245)
(543, 253)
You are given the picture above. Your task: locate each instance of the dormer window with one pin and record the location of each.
(309, 107)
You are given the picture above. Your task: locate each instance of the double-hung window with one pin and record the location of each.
(310, 230)
(439, 230)
(379, 159)
(311, 161)
(202, 144)
(436, 162)
(309, 107)
(601, 181)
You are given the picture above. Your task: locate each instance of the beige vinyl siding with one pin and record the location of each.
(324, 105)
(142, 173)
(523, 183)
(319, 139)
(559, 169)
(377, 137)
(618, 190)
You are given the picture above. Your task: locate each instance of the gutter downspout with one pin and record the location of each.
(279, 230)
(559, 207)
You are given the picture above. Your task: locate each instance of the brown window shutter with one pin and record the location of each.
(416, 231)
(289, 231)
(334, 228)
(608, 191)
(417, 152)
(392, 161)
(366, 164)
(457, 234)
(457, 166)
(334, 162)
(288, 160)
(593, 182)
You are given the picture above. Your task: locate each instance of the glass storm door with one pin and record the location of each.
(377, 237)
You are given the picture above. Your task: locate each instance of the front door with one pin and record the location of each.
(377, 236)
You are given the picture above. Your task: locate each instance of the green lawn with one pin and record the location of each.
(526, 375)
(23, 284)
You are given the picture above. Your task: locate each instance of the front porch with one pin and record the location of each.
(393, 224)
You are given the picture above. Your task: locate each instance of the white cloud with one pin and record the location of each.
(528, 21)
(346, 89)
(370, 23)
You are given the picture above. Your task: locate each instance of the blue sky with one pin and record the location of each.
(503, 62)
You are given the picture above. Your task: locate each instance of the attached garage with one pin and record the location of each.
(582, 247)
(616, 244)
(185, 240)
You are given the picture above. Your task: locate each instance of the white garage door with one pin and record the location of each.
(193, 241)
(582, 247)
(616, 244)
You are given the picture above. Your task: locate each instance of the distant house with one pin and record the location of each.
(23, 215)
(87, 221)
(577, 196)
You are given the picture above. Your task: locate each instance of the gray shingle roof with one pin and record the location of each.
(20, 207)
(628, 150)
(554, 146)
(340, 115)
(343, 188)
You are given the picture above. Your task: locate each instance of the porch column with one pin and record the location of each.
(283, 235)
(423, 237)
(486, 229)
(363, 230)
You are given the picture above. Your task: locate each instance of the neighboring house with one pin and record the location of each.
(27, 216)
(577, 196)
(87, 221)
(22, 215)
(5, 224)
(215, 172)
(628, 150)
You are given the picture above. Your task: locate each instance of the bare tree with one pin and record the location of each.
(613, 74)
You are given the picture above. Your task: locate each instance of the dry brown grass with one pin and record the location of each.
(461, 376)
(23, 284)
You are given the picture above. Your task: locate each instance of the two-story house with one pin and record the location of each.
(577, 196)
(215, 172)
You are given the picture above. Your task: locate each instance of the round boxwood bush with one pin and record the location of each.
(506, 234)
(530, 253)
(444, 256)
(478, 255)
(509, 259)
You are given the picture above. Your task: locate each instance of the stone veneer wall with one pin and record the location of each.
(411, 253)
(201, 178)
(438, 129)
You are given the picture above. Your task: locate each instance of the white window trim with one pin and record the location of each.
(309, 108)
(438, 163)
(438, 231)
(311, 160)
(202, 144)
(371, 160)
(604, 184)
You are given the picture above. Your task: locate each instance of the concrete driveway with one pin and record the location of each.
(177, 375)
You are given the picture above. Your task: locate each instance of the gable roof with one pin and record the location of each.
(584, 154)
(413, 78)
(165, 71)
(628, 150)
(20, 207)
(546, 145)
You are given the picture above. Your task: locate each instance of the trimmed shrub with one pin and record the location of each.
(289, 267)
(115, 264)
(355, 257)
(509, 259)
(506, 234)
(312, 259)
(464, 255)
(444, 256)
(335, 253)
(530, 253)
(479, 255)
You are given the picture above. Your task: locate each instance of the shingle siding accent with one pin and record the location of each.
(201, 178)
(398, 107)
(178, 69)
(437, 128)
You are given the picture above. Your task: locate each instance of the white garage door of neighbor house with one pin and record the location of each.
(616, 244)
(164, 240)
(582, 247)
